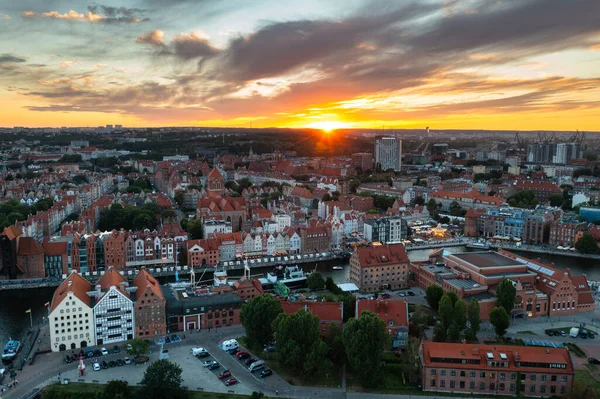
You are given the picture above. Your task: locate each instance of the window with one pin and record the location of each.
(452, 373)
(532, 389)
(542, 388)
(472, 374)
(543, 377)
(482, 385)
(432, 372)
(442, 383)
(501, 386)
(472, 385)
(482, 374)
(523, 377)
(442, 372)
(553, 378)
(502, 376)
(462, 384)
(432, 383)
(552, 389)
(563, 389)
(563, 378)
(532, 377)
(463, 373)
(452, 383)
(512, 387)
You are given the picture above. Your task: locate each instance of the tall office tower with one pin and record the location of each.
(388, 153)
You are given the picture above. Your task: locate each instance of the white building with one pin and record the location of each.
(71, 318)
(283, 221)
(114, 319)
(216, 226)
(388, 153)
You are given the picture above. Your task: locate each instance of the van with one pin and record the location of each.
(260, 364)
(198, 351)
(229, 345)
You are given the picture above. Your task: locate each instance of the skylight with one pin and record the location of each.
(490, 355)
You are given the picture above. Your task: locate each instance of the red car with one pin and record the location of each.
(224, 374)
(242, 355)
(231, 381)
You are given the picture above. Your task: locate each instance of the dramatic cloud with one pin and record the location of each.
(7, 58)
(153, 38)
(102, 14)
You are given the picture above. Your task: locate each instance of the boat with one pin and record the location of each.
(11, 349)
(291, 276)
(338, 268)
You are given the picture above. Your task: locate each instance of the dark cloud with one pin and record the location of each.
(186, 46)
(10, 59)
(119, 14)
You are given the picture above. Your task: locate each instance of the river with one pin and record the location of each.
(14, 321)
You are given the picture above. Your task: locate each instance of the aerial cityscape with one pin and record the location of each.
(281, 199)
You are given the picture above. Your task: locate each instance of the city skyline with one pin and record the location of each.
(527, 65)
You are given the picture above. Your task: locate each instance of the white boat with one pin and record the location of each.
(338, 268)
(11, 349)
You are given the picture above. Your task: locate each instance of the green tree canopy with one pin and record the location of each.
(138, 347)
(446, 311)
(195, 229)
(116, 389)
(474, 319)
(500, 320)
(257, 316)
(349, 301)
(335, 342)
(439, 333)
(556, 199)
(315, 281)
(433, 294)
(299, 344)
(453, 297)
(460, 314)
(365, 339)
(506, 293)
(162, 380)
(586, 244)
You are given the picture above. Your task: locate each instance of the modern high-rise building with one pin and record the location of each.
(388, 153)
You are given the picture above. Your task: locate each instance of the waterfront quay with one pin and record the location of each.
(532, 249)
(171, 269)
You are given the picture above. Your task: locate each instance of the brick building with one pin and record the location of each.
(541, 189)
(496, 369)
(357, 202)
(230, 209)
(328, 312)
(56, 258)
(248, 288)
(315, 239)
(149, 306)
(203, 252)
(30, 258)
(363, 160)
(564, 230)
(374, 268)
(115, 254)
(393, 313)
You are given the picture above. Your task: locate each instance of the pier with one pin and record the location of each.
(533, 249)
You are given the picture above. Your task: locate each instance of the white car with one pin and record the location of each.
(129, 347)
(127, 360)
(197, 351)
(104, 352)
(97, 366)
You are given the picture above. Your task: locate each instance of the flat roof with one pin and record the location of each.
(487, 259)
(348, 287)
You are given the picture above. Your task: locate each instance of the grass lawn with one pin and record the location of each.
(526, 332)
(77, 389)
(584, 377)
(567, 330)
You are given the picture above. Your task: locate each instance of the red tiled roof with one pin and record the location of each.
(145, 280)
(215, 174)
(55, 248)
(111, 278)
(29, 246)
(385, 310)
(381, 255)
(75, 284)
(11, 232)
(325, 311)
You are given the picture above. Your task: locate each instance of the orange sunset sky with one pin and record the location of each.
(472, 64)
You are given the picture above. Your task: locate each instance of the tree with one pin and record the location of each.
(454, 332)
(446, 311)
(335, 342)
(556, 199)
(439, 333)
(257, 316)
(315, 281)
(418, 324)
(332, 286)
(326, 197)
(179, 197)
(349, 301)
(138, 347)
(143, 221)
(433, 294)
(460, 315)
(162, 380)
(365, 339)
(257, 395)
(299, 344)
(474, 319)
(500, 320)
(195, 229)
(115, 389)
(412, 360)
(586, 244)
(506, 293)
(453, 297)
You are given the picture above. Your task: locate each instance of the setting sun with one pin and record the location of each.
(328, 126)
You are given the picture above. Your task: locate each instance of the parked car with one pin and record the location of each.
(591, 335)
(250, 361)
(270, 348)
(104, 352)
(202, 354)
(167, 340)
(240, 353)
(401, 293)
(224, 374)
(197, 351)
(127, 360)
(129, 347)
(214, 366)
(563, 334)
(97, 352)
(104, 365)
(96, 366)
(385, 296)
(411, 293)
(116, 349)
(243, 356)
(209, 362)
(549, 332)
(265, 373)
(112, 363)
(231, 381)
(593, 360)
(120, 362)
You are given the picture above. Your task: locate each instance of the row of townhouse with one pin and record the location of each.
(108, 312)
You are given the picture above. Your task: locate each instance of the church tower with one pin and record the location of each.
(214, 184)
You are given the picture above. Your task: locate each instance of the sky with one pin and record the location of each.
(446, 64)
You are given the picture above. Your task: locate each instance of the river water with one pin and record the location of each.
(14, 321)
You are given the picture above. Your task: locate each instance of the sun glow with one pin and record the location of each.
(328, 126)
